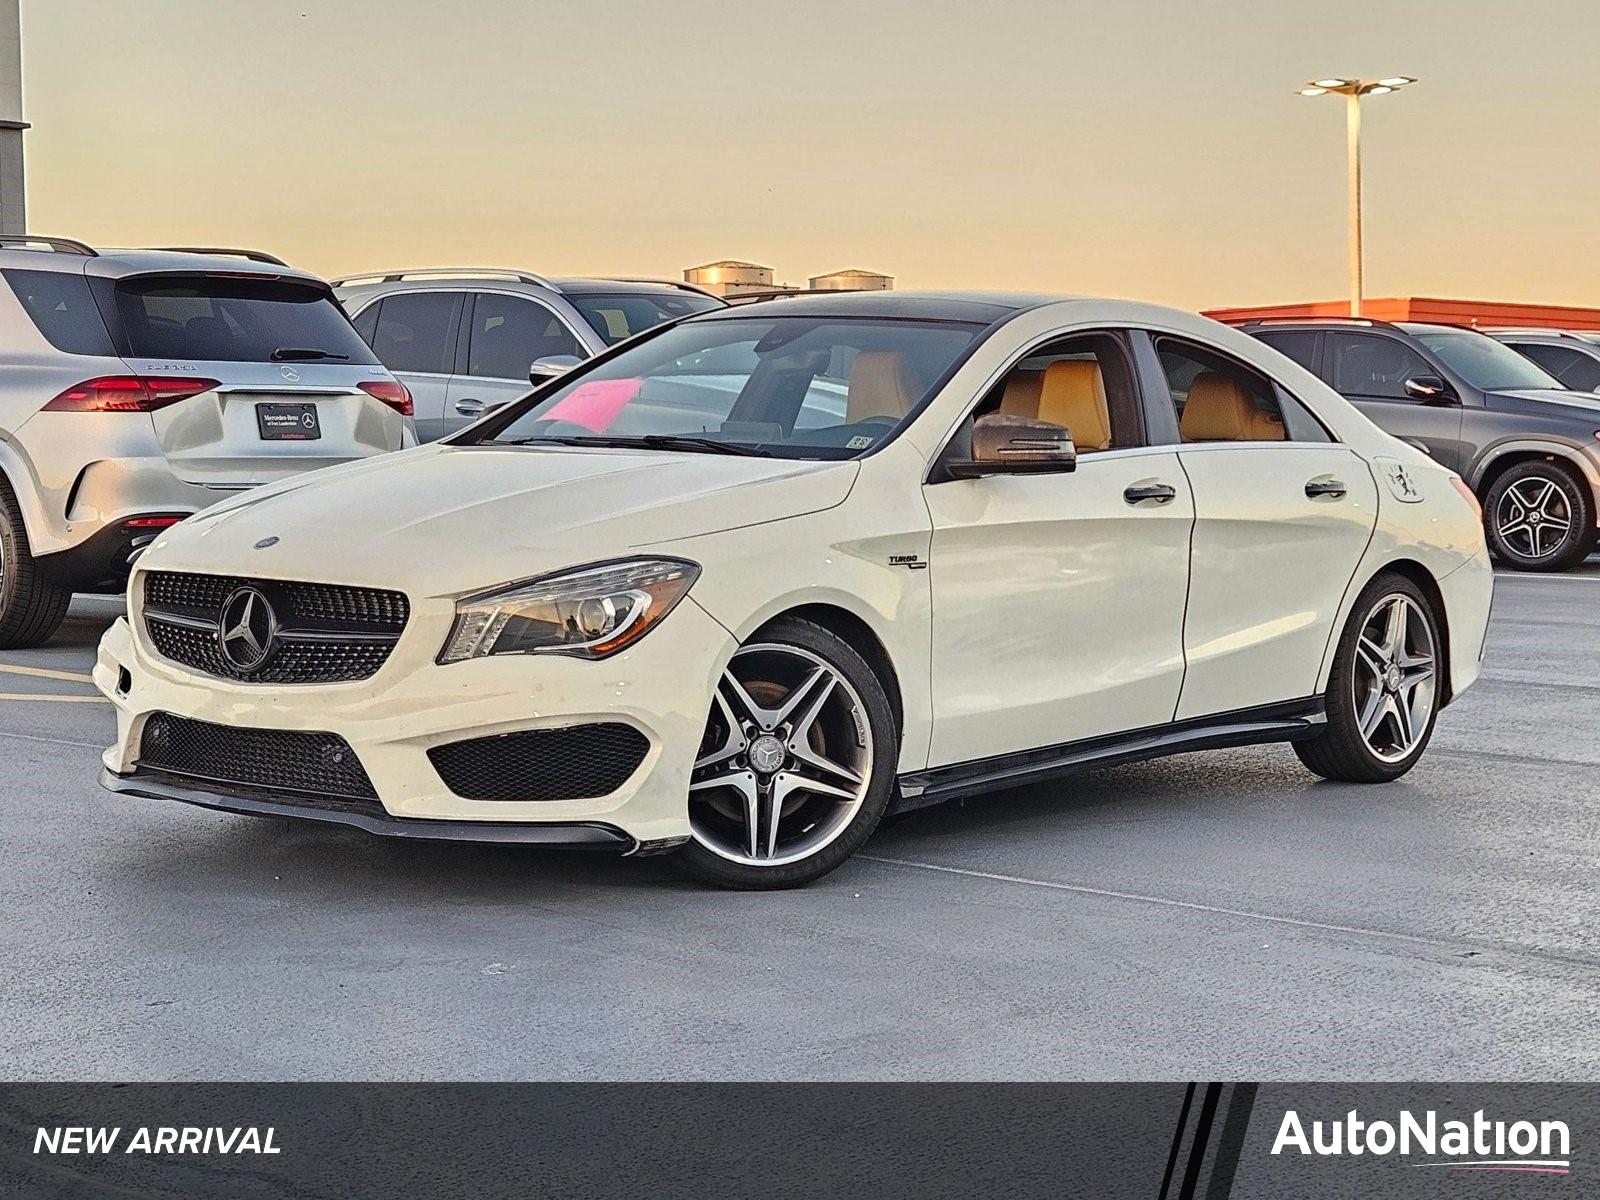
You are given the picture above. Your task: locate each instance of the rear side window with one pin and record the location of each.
(1302, 347)
(1219, 399)
(216, 318)
(416, 331)
(63, 309)
(1572, 367)
(366, 322)
(617, 317)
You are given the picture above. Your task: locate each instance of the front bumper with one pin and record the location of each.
(662, 686)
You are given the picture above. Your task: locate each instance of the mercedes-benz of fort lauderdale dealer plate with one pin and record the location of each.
(288, 422)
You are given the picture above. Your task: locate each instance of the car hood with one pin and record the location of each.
(1578, 402)
(443, 520)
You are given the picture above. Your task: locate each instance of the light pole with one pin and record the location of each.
(1352, 90)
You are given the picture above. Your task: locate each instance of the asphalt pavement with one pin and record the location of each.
(1220, 915)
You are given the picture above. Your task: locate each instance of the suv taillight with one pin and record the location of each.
(392, 392)
(128, 393)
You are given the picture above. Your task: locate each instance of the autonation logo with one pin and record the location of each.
(1479, 1144)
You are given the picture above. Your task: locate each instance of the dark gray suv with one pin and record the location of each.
(1528, 445)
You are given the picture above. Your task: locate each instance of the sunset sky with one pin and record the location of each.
(1128, 148)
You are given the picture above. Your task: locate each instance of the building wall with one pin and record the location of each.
(1475, 314)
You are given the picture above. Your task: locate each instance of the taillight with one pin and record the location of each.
(392, 392)
(129, 393)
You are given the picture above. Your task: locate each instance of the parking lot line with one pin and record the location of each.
(1432, 943)
(47, 699)
(45, 673)
(50, 741)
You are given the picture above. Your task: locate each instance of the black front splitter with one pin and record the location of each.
(157, 785)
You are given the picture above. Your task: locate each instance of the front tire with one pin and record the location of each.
(1383, 696)
(31, 606)
(1540, 516)
(797, 763)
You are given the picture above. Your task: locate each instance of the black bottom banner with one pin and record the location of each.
(774, 1141)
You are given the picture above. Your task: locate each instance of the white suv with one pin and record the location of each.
(139, 386)
(740, 586)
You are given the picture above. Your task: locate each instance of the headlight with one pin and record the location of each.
(587, 612)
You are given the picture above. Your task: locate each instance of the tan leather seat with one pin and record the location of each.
(880, 386)
(1021, 395)
(1220, 410)
(1073, 393)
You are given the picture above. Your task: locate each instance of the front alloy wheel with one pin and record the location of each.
(795, 767)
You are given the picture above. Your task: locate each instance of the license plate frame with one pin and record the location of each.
(288, 422)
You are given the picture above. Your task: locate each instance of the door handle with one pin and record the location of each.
(468, 407)
(1161, 493)
(1326, 485)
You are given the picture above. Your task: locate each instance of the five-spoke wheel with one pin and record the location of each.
(1384, 692)
(1540, 517)
(796, 763)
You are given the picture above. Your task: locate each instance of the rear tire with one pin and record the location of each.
(1383, 696)
(1540, 516)
(31, 606)
(797, 763)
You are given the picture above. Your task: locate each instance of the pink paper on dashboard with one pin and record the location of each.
(595, 405)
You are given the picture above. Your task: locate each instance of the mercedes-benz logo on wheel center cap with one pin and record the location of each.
(247, 631)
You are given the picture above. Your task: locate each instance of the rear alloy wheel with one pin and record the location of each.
(1383, 697)
(1540, 517)
(31, 606)
(796, 765)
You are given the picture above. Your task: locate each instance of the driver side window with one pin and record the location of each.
(1366, 364)
(1084, 383)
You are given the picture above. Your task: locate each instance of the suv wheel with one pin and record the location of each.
(31, 606)
(1540, 517)
(1383, 697)
(797, 763)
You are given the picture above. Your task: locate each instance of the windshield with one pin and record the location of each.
(797, 387)
(621, 316)
(212, 318)
(1486, 364)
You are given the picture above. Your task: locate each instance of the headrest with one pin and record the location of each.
(880, 386)
(1220, 410)
(1073, 393)
(1021, 395)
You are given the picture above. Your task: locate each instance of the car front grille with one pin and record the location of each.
(269, 760)
(323, 633)
(579, 762)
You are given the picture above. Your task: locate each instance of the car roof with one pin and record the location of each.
(117, 264)
(985, 307)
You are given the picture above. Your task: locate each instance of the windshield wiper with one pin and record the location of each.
(648, 441)
(304, 354)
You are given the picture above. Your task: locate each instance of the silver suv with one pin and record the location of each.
(1573, 358)
(469, 339)
(139, 386)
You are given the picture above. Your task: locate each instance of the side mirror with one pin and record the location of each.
(1007, 445)
(1430, 389)
(550, 366)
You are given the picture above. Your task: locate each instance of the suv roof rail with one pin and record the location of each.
(260, 256)
(679, 284)
(1538, 330)
(57, 245)
(1258, 322)
(447, 273)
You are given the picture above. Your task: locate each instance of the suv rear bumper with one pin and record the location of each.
(101, 562)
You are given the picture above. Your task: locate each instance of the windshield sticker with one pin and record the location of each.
(595, 405)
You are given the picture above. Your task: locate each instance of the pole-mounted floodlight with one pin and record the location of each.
(1352, 90)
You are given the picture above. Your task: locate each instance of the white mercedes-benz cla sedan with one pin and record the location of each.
(744, 584)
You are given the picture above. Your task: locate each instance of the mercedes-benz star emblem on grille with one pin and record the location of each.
(247, 633)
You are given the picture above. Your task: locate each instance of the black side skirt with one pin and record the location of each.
(156, 785)
(1288, 721)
